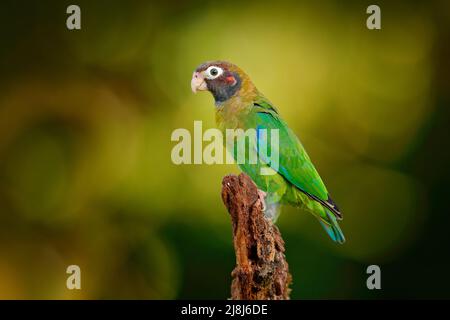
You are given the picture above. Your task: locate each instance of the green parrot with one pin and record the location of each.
(294, 180)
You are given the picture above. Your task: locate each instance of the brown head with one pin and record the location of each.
(223, 79)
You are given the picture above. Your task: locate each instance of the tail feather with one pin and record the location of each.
(332, 228)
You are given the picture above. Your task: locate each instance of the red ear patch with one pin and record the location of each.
(230, 80)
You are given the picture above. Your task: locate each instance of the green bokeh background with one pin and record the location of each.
(86, 117)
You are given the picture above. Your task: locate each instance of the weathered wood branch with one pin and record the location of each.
(261, 271)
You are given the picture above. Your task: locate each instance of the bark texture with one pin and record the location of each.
(261, 271)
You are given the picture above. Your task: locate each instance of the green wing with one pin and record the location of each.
(294, 163)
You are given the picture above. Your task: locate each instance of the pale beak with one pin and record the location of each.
(198, 82)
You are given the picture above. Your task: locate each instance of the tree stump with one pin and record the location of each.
(261, 271)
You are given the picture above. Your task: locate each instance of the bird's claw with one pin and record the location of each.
(261, 197)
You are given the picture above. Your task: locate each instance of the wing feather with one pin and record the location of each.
(294, 163)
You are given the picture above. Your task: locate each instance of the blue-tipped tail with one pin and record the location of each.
(333, 229)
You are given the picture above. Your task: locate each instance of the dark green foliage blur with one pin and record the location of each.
(86, 117)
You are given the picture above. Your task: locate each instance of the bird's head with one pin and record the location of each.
(222, 79)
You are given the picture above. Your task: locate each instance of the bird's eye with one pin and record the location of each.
(213, 72)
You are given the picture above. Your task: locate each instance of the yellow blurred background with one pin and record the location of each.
(86, 117)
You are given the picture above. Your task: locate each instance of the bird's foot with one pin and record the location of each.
(261, 196)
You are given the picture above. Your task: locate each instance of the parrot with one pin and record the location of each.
(295, 181)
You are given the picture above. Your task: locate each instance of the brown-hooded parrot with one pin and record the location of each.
(295, 180)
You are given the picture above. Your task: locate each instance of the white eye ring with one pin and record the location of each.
(213, 72)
